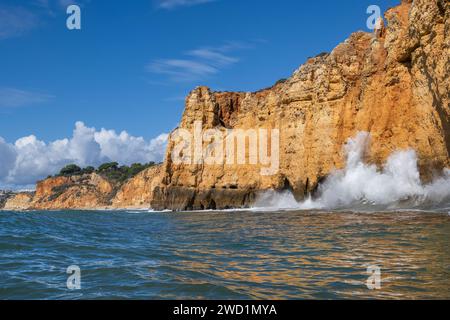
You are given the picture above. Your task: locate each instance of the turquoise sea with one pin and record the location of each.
(224, 255)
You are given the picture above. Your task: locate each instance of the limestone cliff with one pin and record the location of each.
(86, 192)
(138, 192)
(18, 202)
(75, 192)
(4, 196)
(393, 83)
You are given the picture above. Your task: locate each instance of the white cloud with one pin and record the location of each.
(29, 159)
(128, 149)
(7, 157)
(13, 98)
(172, 4)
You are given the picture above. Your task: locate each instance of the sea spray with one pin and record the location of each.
(396, 185)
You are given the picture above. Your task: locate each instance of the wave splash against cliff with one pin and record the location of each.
(362, 186)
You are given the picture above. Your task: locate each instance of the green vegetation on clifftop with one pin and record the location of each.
(111, 171)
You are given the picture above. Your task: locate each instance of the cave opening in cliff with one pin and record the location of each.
(306, 192)
(287, 186)
(212, 205)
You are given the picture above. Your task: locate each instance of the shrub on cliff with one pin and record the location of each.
(70, 170)
(113, 172)
(88, 170)
(137, 168)
(109, 166)
(110, 171)
(283, 80)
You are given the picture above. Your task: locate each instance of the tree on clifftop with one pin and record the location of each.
(110, 166)
(69, 170)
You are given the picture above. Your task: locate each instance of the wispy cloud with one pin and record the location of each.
(15, 98)
(214, 56)
(173, 4)
(183, 70)
(15, 21)
(199, 63)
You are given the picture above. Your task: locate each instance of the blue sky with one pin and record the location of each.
(133, 62)
(131, 65)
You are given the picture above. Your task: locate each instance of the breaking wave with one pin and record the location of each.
(360, 186)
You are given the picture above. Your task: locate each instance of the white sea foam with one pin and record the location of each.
(396, 185)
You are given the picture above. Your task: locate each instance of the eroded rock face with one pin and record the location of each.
(89, 191)
(86, 192)
(92, 191)
(137, 193)
(4, 196)
(393, 83)
(18, 202)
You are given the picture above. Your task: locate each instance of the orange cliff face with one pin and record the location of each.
(137, 193)
(86, 192)
(76, 192)
(393, 83)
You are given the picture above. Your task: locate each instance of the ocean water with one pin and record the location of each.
(225, 255)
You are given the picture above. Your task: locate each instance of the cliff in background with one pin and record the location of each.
(393, 83)
(17, 201)
(86, 192)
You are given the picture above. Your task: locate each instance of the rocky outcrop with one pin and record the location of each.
(92, 191)
(4, 196)
(137, 193)
(18, 201)
(86, 192)
(75, 192)
(393, 83)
